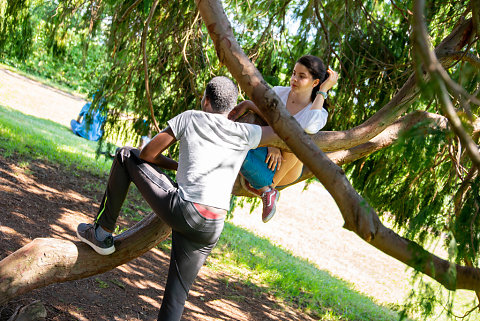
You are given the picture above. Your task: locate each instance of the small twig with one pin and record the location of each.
(127, 12)
(401, 10)
(145, 64)
(191, 70)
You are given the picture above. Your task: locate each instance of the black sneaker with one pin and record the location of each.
(86, 233)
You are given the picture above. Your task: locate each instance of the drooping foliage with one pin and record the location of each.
(425, 182)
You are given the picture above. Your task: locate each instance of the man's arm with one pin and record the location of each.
(268, 136)
(152, 152)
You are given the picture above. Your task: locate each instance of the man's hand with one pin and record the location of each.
(152, 152)
(274, 158)
(239, 110)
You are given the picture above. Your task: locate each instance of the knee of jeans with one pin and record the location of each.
(123, 152)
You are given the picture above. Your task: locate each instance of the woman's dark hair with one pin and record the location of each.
(317, 69)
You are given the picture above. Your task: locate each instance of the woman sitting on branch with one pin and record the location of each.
(265, 168)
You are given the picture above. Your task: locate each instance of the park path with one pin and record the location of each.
(308, 223)
(33, 98)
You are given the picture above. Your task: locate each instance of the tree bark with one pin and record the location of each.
(46, 260)
(358, 215)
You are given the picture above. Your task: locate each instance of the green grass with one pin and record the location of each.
(44, 139)
(256, 261)
(292, 280)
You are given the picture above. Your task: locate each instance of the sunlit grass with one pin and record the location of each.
(256, 261)
(43, 139)
(291, 279)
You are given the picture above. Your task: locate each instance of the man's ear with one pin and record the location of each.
(205, 103)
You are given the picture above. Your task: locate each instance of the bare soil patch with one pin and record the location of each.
(46, 200)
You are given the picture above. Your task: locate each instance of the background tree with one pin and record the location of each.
(390, 100)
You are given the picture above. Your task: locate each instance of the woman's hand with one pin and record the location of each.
(239, 110)
(330, 81)
(274, 158)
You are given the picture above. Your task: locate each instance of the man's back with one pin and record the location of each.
(212, 149)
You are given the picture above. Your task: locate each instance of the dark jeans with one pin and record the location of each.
(193, 236)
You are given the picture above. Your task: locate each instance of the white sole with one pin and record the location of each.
(97, 249)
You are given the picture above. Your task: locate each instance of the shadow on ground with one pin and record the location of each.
(46, 199)
(41, 199)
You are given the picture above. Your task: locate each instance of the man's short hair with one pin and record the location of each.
(222, 94)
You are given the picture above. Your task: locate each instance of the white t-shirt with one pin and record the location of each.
(212, 149)
(310, 120)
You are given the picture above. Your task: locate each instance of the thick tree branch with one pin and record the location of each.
(46, 261)
(468, 57)
(389, 136)
(386, 138)
(358, 215)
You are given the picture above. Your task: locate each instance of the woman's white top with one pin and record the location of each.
(310, 120)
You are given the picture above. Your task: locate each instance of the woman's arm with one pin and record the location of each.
(152, 152)
(325, 87)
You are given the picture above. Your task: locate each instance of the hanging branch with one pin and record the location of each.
(191, 70)
(145, 64)
(127, 12)
(441, 79)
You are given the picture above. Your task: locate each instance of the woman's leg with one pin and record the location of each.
(290, 170)
(256, 171)
(260, 177)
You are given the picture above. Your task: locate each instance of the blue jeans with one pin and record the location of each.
(255, 170)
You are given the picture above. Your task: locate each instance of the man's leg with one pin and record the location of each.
(127, 167)
(186, 259)
(192, 242)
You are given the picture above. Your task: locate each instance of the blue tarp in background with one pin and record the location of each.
(91, 123)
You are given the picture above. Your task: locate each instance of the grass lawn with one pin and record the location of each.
(254, 260)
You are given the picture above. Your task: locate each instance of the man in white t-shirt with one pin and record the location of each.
(212, 149)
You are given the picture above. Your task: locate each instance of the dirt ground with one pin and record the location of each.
(45, 200)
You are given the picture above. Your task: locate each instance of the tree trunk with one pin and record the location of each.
(46, 260)
(358, 215)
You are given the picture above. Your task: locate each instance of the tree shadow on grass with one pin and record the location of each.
(40, 199)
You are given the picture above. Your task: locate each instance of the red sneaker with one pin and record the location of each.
(269, 200)
(249, 188)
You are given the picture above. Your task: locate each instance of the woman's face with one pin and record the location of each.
(302, 80)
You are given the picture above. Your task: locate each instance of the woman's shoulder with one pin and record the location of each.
(282, 92)
(281, 89)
